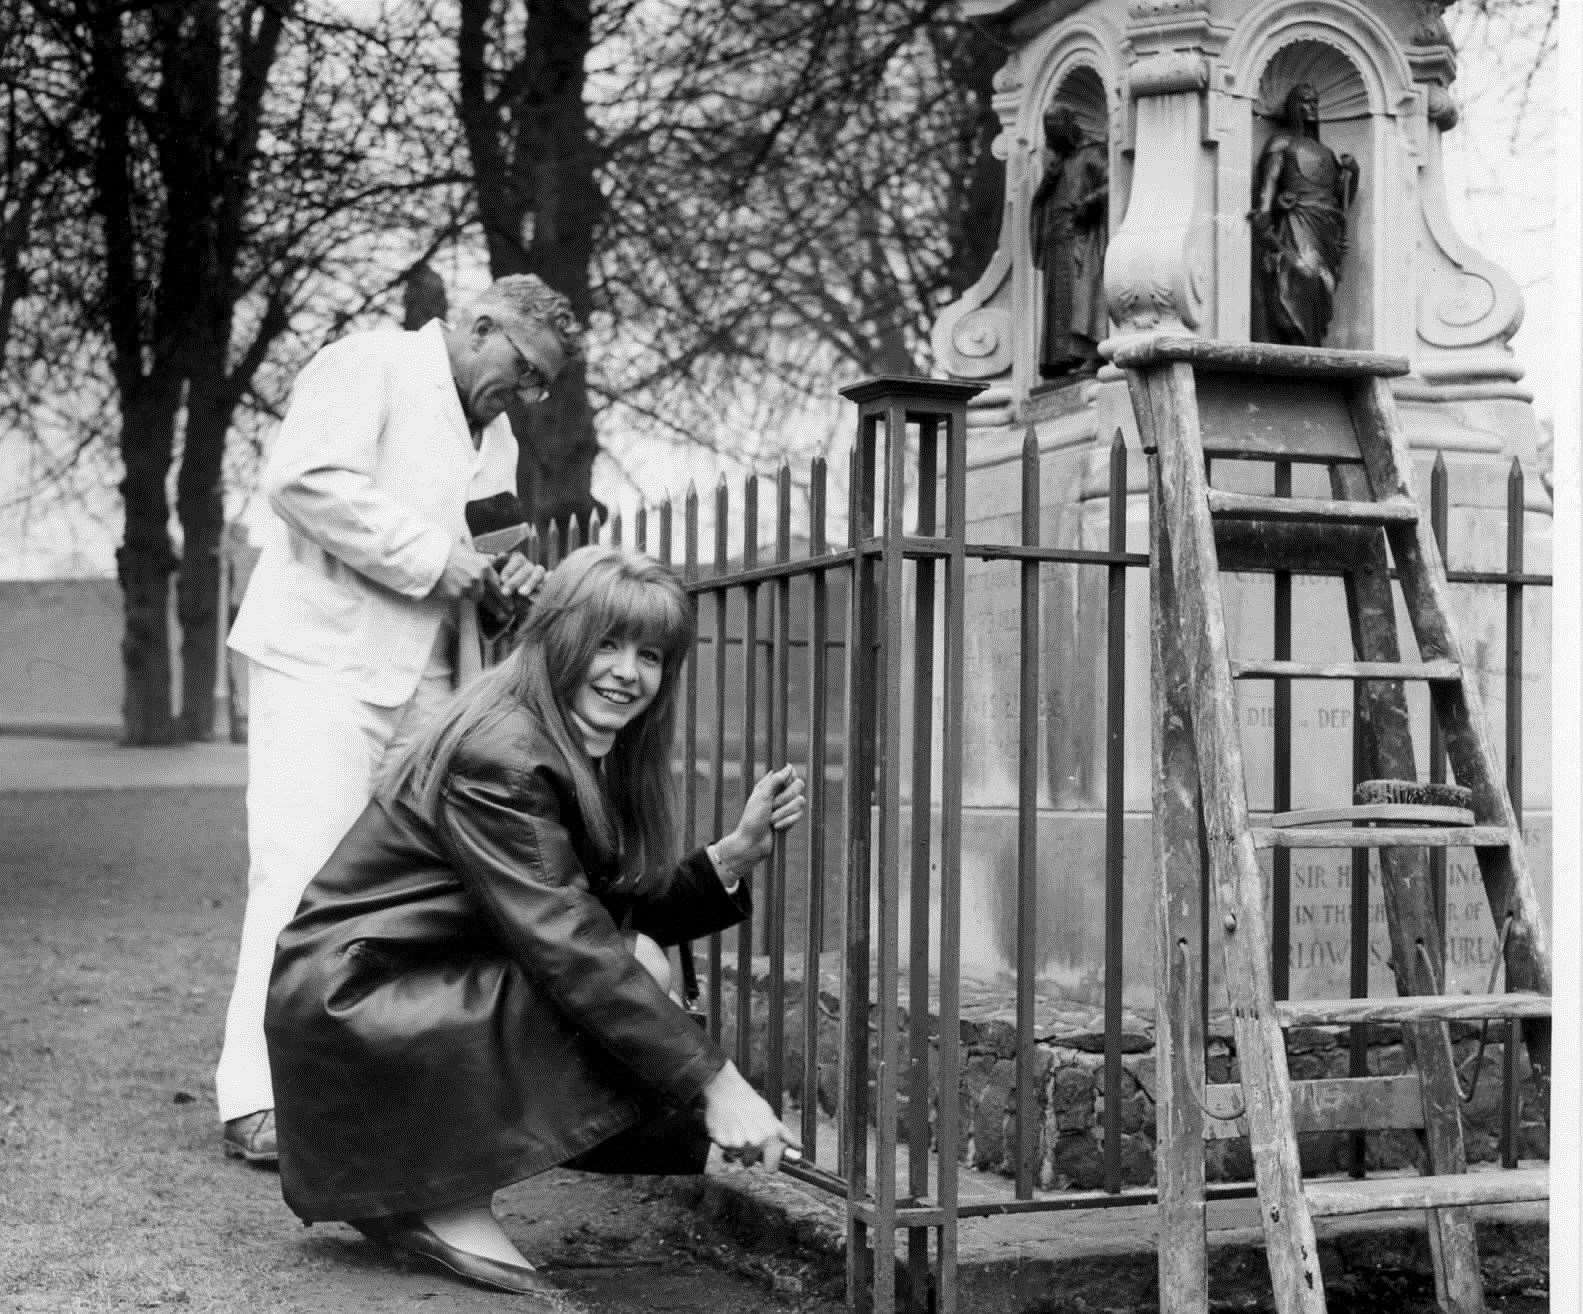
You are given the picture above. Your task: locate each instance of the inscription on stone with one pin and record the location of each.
(991, 673)
(1320, 952)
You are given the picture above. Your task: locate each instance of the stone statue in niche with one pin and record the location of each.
(1070, 228)
(1431, 28)
(1302, 191)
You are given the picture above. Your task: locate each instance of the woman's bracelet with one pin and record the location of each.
(730, 875)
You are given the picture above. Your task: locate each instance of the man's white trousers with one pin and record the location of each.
(314, 752)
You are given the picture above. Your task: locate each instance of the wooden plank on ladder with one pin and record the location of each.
(1327, 1104)
(1416, 949)
(1239, 885)
(1178, 867)
(1507, 881)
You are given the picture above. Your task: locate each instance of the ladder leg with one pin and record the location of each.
(1416, 949)
(1239, 884)
(1507, 881)
(1178, 950)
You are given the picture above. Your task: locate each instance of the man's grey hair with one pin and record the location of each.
(527, 296)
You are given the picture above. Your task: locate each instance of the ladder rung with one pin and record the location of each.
(1326, 1104)
(1381, 837)
(1411, 1008)
(1419, 814)
(1268, 670)
(1257, 358)
(1491, 1186)
(1387, 511)
(1269, 546)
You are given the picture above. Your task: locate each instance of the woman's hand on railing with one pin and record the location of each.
(776, 804)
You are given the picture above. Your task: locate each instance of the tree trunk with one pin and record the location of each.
(197, 606)
(973, 62)
(201, 507)
(423, 298)
(556, 451)
(217, 228)
(144, 563)
(534, 166)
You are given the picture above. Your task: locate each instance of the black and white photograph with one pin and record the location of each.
(791, 656)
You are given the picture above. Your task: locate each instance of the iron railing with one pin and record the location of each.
(843, 658)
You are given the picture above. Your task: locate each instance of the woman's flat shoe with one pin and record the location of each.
(410, 1234)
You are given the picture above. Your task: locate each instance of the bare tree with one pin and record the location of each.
(41, 112)
(744, 198)
(239, 165)
(521, 75)
(787, 205)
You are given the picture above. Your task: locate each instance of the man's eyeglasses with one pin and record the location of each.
(531, 384)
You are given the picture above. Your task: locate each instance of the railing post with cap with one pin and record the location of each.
(892, 406)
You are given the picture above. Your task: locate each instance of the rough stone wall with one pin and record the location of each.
(1070, 1086)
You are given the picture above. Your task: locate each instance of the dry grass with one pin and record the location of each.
(117, 939)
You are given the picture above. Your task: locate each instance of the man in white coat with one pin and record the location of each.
(349, 621)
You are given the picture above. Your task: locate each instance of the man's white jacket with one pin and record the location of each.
(370, 474)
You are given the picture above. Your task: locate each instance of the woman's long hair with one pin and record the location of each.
(594, 594)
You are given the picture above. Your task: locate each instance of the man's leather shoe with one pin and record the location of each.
(409, 1233)
(252, 1138)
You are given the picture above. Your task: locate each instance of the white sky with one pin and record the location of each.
(1500, 182)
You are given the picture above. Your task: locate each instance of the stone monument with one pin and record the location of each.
(1184, 97)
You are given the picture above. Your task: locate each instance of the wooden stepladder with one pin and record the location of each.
(1197, 399)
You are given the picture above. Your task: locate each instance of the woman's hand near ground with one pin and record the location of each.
(740, 1121)
(776, 804)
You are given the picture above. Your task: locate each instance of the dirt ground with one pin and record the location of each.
(119, 911)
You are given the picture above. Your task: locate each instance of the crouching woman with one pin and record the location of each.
(474, 989)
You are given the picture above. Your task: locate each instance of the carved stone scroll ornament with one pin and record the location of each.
(980, 337)
(1468, 301)
(1152, 275)
(972, 338)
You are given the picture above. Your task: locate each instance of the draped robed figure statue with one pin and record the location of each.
(1069, 232)
(1302, 191)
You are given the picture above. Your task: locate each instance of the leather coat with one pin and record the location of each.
(453, 1007)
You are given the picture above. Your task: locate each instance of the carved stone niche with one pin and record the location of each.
(1081, 91)
(1344, 127)
(1068, 54)
(1410, 284)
